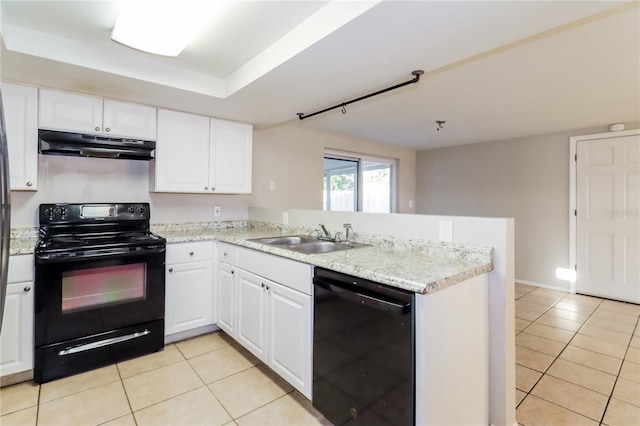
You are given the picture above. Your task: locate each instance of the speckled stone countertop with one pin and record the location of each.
(23, 241)
(421, 266)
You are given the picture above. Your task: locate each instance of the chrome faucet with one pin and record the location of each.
(326, 233)
(349, 230)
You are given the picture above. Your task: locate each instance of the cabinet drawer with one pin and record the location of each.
(189, 252)
(227, 253)
(20, 268)
(287, 272)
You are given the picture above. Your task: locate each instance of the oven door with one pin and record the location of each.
(97, 292)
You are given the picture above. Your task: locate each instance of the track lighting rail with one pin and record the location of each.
(415, 79)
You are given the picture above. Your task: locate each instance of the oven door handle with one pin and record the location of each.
(89, 254)
(102, 343)
(391, 306)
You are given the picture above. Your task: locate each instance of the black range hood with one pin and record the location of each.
(82, 145)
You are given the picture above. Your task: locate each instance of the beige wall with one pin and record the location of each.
(292, 157)
(525, 178)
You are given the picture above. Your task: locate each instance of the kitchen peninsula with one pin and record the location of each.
(451, 284)
(451, 305)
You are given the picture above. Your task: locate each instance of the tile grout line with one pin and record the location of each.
(618, 375)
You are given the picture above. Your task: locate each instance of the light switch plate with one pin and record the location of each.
(445, 231)
(217, 211)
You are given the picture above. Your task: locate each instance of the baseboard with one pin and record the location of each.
(12, 379)
(190, 333)
(547, 286)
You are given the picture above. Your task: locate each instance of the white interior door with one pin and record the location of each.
(608, 218)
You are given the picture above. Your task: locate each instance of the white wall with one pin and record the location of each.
(292, 157)
(79, 179)
(525, 178)
(489, 232)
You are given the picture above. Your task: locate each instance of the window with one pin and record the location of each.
(358, 183)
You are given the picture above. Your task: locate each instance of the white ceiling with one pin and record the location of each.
(493, 70)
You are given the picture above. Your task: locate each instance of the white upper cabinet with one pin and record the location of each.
(129, 120)
(21, 120)
(182, 153)
(230, 156)
(92, 115)
(196, 154)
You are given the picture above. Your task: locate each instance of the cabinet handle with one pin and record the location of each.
(170, 269)
(213, 188)
(97, 129)
(262, 285)
(233, 272)
(268, 288)
(206, 188)
(29, 183)
(108, 129)
(27, 289)
(224, 254)
(190, 253)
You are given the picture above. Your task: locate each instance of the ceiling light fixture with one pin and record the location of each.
(162, 27)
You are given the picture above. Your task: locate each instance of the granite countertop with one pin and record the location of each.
(421, 266)
(415, 265)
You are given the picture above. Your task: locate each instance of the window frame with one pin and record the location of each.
(360, 159)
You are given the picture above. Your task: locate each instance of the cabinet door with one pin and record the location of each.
(290, 336)
(231, 155)
(189, 298)
(129, 120)
(70, 112)
(20, 105)
(182, 153)
(226, 298)
(251, 328)
(16, 340)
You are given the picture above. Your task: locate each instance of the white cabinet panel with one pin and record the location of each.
(226, 298)
(129, 120)
(252, 313)
(16, 339)
(182, 153)
(290, 334)
(189, 302)
(230, 157)
(21, 120)
(70, 112)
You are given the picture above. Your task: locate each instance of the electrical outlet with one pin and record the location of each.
(217, 211)
(446, 231)
(272, 185)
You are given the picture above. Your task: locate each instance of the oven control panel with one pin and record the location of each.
(95, 212)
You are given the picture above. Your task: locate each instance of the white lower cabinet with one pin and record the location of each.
(289, 336)
(16, 339)
(225, 298)
(252, 313)
(189, 300)
(272, 320)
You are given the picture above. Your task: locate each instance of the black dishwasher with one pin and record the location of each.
(363, 351)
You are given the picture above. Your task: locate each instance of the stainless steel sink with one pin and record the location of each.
(287, 240)
(306, 244)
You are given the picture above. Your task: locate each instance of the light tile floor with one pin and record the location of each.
(577, 359)
(577, 362)
(207, 380)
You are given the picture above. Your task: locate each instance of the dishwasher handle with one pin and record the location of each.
(391, 306)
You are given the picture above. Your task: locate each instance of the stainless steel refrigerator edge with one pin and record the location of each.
(5, 211)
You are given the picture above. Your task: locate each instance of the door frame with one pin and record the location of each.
(573, 193)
